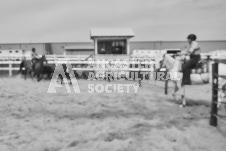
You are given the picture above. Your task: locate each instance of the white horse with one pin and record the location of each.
(174, 66)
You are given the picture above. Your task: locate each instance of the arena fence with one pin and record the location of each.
(215, 117)
(11, 63)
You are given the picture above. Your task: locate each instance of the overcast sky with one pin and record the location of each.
(71, 20)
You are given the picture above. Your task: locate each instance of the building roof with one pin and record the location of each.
(79, 47)
(111, 32)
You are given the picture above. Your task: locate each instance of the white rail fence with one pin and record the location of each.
(11, 63)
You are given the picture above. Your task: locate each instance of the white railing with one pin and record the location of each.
(10, 67)
(13, 60)
(124, 68)
(16, 57)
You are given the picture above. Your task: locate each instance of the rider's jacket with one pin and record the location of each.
(34, 55)
(194, 50)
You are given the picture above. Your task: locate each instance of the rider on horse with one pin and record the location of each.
(34, 57)
(194, 52)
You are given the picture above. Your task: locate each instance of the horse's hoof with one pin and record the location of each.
(176, 98)
(181, 106)
(174, 95)
(179, 101)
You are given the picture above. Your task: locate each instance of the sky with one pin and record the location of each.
(23, 21)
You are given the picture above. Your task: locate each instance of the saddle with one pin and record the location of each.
(200, 67)
(34, 60)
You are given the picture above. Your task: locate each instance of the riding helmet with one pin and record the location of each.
(192, 37)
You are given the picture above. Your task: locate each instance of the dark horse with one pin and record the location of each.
(27, 65)
(48, 69)
(38, 67)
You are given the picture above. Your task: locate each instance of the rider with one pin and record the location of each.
(194, 51)
(34, 57)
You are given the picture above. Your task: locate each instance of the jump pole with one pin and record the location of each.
(10, 69)
(213, 116)
(166, 87)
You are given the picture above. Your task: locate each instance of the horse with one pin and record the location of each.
(81, 74)
(38, 67)
(27, 65)
(174, 66)
(48, 70)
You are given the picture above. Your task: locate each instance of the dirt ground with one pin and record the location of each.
(33, 120)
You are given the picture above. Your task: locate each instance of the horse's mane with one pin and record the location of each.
(169, 61)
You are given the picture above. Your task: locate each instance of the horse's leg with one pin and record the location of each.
(41, 76)
(47, 76)
(35, 74)
(178, 89)
(109, 79)
(183, 103)
(25, 74)
(175, 88)
(68, 77)
(30, 73)
(50, 76)
(61, 79)
(38, 76)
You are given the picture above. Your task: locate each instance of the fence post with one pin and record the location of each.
(139, 75)
(166, 87)
(55, 59)
(79, 57)
(10, 69)
(213, 118)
